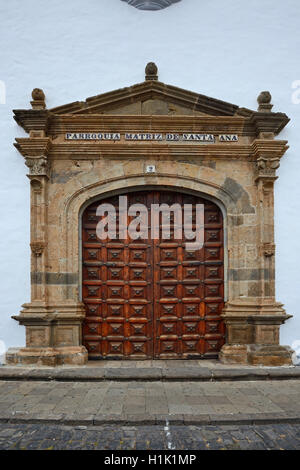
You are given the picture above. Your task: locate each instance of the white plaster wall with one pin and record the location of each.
(74, 49)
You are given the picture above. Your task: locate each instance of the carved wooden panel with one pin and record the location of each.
(117, 290)
(186, 283)
(153, 298)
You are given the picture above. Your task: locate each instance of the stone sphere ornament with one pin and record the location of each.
(151, 71)
(264, 97)
(38, 94)
(38, 99)
(151, 5)
(264, 102)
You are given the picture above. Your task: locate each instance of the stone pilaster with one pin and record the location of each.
(253, 326)
(53, 332)
(38, 175)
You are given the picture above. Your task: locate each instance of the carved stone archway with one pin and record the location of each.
(151, 135)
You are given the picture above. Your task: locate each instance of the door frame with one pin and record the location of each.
(124, 190)
(157, 188)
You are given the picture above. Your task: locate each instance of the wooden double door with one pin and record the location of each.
(149, 298)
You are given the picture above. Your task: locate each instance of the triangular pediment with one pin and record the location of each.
(151, 98)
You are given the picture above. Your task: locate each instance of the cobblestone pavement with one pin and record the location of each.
(149, 402)
(244, 437)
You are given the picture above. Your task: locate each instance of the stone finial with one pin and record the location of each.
(38, 97)
(151, 71)
(264, 102)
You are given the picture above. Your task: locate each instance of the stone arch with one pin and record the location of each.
(80, 199)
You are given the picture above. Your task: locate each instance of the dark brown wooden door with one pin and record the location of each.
(153, 298)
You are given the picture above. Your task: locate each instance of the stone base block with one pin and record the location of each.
(269, 355)
(74, 355)
(233, 354)
(256, 355)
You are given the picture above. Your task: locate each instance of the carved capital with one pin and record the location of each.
(267, 167)
(37, 248)
(38, 166)
(267, 155)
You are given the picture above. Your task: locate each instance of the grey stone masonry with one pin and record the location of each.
(180, 370)
(149, 402)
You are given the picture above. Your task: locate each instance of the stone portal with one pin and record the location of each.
(194, 145)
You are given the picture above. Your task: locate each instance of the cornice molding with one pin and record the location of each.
(108, 109)
(32, 119)
(269, 149)
(132, 123)
(37, 147)
(96, 150)
(46, 147)
(269, 122)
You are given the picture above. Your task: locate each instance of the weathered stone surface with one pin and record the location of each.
(187, 373)
(282, 373)
(48, 356)
(137, 376)
(234, 354)
(75, 403)
(239, 374)
(270, 355)
(239, 194)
